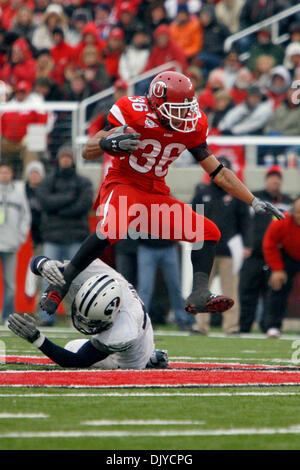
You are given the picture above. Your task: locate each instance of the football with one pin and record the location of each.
(128, 130)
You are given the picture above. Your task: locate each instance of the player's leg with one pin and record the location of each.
(111, 229)
(202, 325)
(204, 235)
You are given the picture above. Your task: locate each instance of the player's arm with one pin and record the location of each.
(24, 326)
(228, 181)
(105, 141)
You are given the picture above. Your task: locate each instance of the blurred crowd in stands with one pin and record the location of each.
(68, 50)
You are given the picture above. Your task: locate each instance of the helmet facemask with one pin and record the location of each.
(96, 304)
(88, 326)
(177, 114)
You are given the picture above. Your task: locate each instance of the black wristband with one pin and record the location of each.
(216, 171)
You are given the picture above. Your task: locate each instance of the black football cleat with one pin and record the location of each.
(212, 304)
(52, 297)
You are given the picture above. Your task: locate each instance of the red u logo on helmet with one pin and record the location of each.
(159, 89)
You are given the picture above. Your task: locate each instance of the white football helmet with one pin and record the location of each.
(96, 304)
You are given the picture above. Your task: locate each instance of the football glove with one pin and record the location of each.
(23, 326)
(119, 141)
(51, 271)
(264, 207)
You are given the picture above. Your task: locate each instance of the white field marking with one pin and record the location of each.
(185, 358)
(139, 422)
(225, 359)
(149, 394)
(22, 415)
(226, 336)
(157, 433)
(69, 330)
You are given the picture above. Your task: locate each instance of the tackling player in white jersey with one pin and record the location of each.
(105, 306)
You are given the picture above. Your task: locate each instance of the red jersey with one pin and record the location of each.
(158, 147)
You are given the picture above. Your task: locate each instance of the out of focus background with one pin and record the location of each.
(62, 66)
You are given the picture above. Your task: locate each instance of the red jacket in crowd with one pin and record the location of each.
(8, 13)
(91, 29)
(62, 54)
(14, 124)
(161, 55)
(24, 70)
(283, 234)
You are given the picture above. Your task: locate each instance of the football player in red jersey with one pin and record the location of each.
(167, 121)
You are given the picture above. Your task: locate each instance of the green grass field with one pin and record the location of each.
(156, 418)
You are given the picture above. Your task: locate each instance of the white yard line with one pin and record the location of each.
(22, 415)
(157, 433)
(139, 422)
(149, 394)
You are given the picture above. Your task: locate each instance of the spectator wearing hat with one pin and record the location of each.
(254, 274)
(280, 82)
(21, 65)
(14, 228)
(14, 129)
(79, 18)
(292, 58)
(112, 52)
(222, 208)
(128, 20)
(134, 58)
(264, 46)
(249, 117)
(281, 249)
(66, 199)
(34, 174)
(89, 37)
(54, 17)
(165, 50)
(186, 31)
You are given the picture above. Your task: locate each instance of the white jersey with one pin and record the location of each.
(130, 339)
